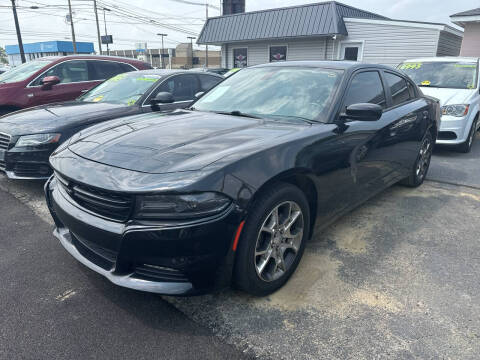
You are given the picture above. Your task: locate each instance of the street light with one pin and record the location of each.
(161, 55)
(191, 45)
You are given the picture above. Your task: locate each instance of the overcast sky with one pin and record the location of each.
(48, 23)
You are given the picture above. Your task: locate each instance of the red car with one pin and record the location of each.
(56, 79)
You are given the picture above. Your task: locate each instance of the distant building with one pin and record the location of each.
(46, 48)
(325, 31)
(173, 58)
(233, 7)
(470, 22)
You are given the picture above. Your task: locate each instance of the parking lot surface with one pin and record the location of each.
(396, 278)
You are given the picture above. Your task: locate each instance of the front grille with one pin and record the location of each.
(4, 141)
(95, 253)
(114, 206)
(31, 170)
(159, 273)
(446, 135)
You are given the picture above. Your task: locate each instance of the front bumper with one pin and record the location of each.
(454, 130)
(26, 165)
(169, 259)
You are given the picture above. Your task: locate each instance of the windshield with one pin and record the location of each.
(23, 71)
(123, 89)
(455, 75)
(274, 92)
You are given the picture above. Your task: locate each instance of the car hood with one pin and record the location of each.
(449, 96)
(182, 141)
(54, 117)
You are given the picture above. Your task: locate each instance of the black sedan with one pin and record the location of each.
(231, 189)
(28, 137)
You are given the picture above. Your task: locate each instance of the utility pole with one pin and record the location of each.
(19, 35)
(206, 47)
(163, 49)
(191, 45)
(98, 27)
(73, 29)
(106, 33)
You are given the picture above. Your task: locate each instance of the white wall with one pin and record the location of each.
(471, 40)
(297, 49)
(392, 44)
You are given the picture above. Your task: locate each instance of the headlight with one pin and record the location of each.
(38, 139)
(455, 110)
(188, 206)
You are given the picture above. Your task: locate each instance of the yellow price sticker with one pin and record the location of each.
(131, 102)
(98, 98)
(118, 77)
(410, 66)
(425, 82)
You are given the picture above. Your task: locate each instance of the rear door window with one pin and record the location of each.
(366, 87)
(68, 72)
(398, 89)
(103, 70)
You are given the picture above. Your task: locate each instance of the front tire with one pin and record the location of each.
(273, 240)
(422, 164)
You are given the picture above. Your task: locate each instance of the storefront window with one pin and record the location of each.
(278, 53)
(240, 58)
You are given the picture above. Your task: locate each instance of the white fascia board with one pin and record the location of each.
(407, 24)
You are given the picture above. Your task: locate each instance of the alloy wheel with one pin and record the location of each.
(279, 241)
(424, 159)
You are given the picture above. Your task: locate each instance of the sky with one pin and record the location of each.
(177, 18)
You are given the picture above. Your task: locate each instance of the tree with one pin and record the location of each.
(3, 56)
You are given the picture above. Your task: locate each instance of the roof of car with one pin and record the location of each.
(336, 64)
(164, 72)
(98, 57)
(443, 59)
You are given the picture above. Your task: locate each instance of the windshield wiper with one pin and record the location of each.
(294, 117)
(237, 113)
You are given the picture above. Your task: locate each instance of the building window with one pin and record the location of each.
(278, 53)
(240, 58)
(351, 51)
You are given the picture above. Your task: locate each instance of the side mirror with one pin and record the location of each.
(49, 81)
(198, 95)
(163, 98)
(363, 112)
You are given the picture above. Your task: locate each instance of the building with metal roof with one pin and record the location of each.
(328, 30)
(470, 21)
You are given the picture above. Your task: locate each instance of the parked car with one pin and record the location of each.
(455, 81)
(54, 79)
(28, 137)
(235, 186)
(219, 71)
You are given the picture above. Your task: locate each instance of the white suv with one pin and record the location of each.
(455, 82)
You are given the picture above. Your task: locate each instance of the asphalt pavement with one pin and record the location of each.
(395, 279)
(54, 308)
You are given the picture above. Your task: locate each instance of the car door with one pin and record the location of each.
(74, 79)
(183, 87)
(404, 135)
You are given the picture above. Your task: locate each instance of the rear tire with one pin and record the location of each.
(422, 164)
(269, 250)
(467, 145)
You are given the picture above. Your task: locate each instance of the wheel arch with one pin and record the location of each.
(300, 178)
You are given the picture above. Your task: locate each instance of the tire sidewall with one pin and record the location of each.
(245, 273)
